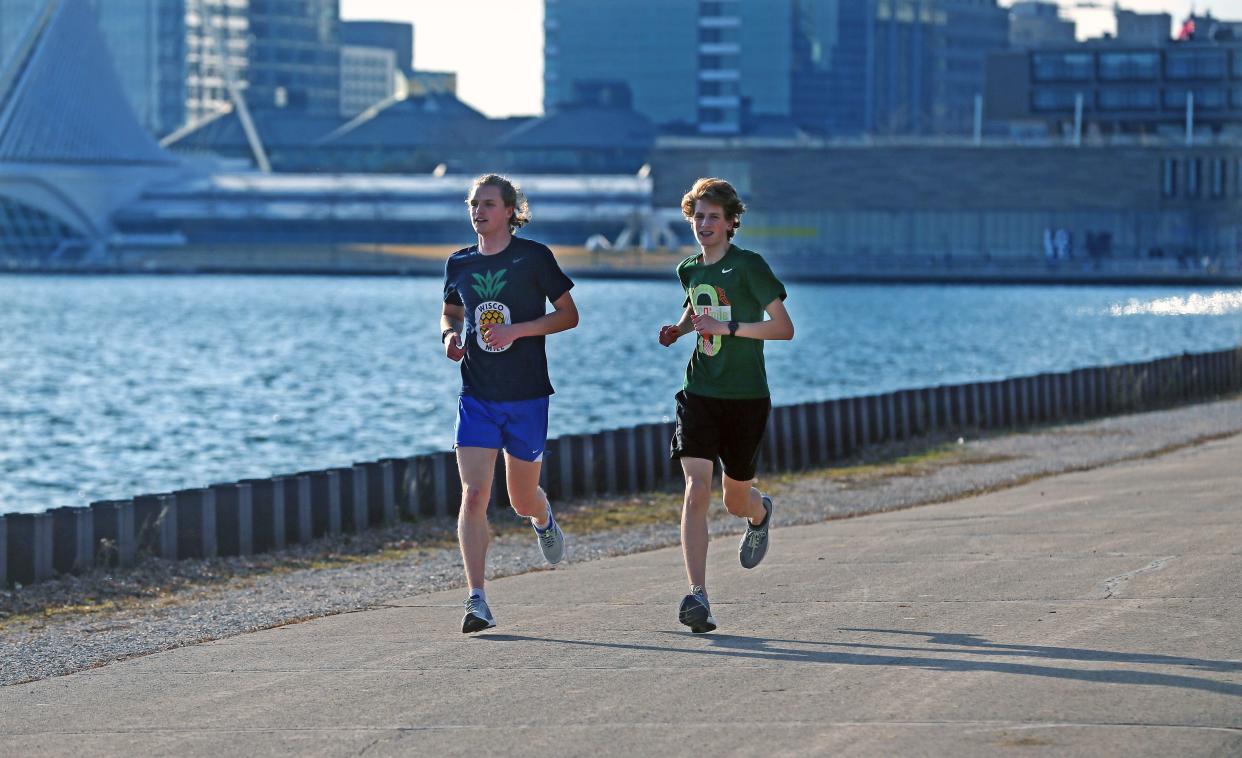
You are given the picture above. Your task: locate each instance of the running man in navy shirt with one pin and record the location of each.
(494, 322)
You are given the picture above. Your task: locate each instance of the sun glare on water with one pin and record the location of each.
(1214, 304)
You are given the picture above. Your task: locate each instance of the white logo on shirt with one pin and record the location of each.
(489, 313)
(725, 270)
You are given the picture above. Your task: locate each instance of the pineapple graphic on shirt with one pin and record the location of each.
(491, 311)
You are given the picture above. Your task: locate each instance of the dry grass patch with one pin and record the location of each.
(876, 468)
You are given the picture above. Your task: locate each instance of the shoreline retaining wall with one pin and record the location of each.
(257, 515)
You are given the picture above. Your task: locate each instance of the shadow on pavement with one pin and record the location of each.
(811, 651)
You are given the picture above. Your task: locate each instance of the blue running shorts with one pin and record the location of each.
(518, 426)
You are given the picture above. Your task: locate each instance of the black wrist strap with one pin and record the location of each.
(732, 328)
(446, 332)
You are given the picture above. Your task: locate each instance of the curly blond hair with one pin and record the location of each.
(716, 191)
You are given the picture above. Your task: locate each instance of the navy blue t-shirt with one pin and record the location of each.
(509, 287)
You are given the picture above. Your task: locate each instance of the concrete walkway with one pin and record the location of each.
(1092, 614)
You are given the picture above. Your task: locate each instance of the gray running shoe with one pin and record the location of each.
(551, 541)
(478, 616)
(695, 612)
(755, 542)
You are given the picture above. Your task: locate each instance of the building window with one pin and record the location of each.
(717, 87)
(1168, 177)
(1237, 63)
(1220, 168)
(1129, 66)
(1194, 64)
(719, 34)
(1206, 98)
(1129, 99)
(1047, 99)
(718, 62)
(1194, 168)
(1062, 67)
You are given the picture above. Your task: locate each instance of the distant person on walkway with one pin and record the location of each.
(723, 408)
(494, 321)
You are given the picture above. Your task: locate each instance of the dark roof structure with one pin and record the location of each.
(223, 132)
(433, 119)
(584, 127)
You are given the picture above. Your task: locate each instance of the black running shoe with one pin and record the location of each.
(755, 542)
(695, 612)
(478, 616)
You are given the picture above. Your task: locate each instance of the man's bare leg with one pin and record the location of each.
(743, 500)
(476, 466)
(529, 500)
(525, 494)
(698, 498)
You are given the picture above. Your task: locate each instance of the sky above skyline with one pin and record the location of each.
(496, 46)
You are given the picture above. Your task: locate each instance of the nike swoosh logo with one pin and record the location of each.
(725, 270)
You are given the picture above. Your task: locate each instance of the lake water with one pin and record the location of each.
(113, 386)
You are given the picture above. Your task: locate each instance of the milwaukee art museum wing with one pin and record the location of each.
(83, 185)
(71, 149)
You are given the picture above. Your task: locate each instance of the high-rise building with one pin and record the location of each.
(294, 55)
(217, 46)
(389, 35)
(377, 59)
(650, 45)
(912, 66)
(706, 66)
(368, 76)
(826, 66)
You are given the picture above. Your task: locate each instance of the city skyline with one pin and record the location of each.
(462, 37)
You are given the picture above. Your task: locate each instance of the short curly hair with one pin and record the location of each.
(510, 194)
(716, 191)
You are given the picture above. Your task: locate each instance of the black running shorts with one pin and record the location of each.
(715, 427)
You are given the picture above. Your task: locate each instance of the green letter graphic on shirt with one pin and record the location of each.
(706, 302)
(490, 311)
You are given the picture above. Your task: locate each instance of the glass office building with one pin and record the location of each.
(912, 66)
(827, 66)
(294, 58)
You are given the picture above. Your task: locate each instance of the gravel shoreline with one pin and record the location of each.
(52, 629)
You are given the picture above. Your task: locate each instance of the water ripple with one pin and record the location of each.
(113, 386)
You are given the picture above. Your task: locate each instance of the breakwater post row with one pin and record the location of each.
(256, 515)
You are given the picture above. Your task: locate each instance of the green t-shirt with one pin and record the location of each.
(735, 288)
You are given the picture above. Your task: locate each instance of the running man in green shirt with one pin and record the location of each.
(723, 408)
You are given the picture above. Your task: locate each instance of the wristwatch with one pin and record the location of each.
(447, 331)
(733, 328)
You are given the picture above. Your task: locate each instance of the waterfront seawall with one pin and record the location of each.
(257, 515)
